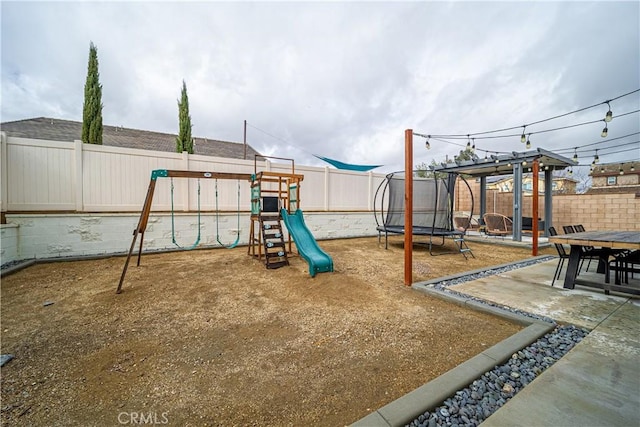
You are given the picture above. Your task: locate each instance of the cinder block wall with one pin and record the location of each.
(594, 211)
(598, 211)
(41, 236)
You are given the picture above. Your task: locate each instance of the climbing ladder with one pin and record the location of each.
(270, 192)
(462, 246)
(272, 237)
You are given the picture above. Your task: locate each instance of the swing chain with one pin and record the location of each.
(173, 233)
(234, 244)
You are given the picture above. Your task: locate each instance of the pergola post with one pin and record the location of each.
(483, 196)
(548, 200)
(517, 202)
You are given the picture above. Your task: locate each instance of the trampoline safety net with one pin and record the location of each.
(432, 202)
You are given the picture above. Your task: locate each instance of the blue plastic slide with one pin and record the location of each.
(319, 261)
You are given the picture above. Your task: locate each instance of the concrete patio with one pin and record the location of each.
(597, 383)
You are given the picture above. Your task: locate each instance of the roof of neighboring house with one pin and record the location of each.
(615, 190)
(118, 136)
(611, 169)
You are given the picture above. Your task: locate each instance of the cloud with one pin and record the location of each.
(340, 79)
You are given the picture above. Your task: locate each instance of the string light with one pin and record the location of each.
(596, 158)
(571, 172)
(461, 136)
(525, 137)
(633, 168)
(621, 171)
(609, 115)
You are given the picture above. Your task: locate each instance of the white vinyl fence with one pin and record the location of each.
(54, 176)
(66, 199)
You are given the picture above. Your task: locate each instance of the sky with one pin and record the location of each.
(338, 79)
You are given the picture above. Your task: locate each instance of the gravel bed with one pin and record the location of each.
(446, 284)
(475, 403)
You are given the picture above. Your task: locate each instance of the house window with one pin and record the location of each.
(611, 180)
(528, 186)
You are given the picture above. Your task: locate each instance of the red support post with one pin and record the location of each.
(534, 199)
(408, 207)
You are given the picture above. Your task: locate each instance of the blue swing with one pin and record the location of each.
(173, 232)
(234, 244)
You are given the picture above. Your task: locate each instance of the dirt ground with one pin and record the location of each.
(211, 337)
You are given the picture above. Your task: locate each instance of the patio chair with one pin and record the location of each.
(590, 252)
(562, 253)
(464, 223)
(497, 224)
(624, 264)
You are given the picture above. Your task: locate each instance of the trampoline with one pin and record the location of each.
(433, 204)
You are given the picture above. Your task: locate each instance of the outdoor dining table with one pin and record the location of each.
(601, 239)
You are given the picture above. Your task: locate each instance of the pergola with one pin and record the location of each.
(502, 164)
(515, 163)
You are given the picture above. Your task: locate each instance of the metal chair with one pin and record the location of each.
(587, 252)
(562, 253)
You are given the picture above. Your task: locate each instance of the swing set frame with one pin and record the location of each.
(146, 208)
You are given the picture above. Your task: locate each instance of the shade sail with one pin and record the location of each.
(347, 166)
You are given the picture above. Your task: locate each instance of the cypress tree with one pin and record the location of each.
(184, 141)
(92, 109)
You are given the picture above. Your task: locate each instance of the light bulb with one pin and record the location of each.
(605, 132)
(428, 145)
(524, 163)
(523, 138)
(528, 144)
(633, 168)
(609, 116)
(621, 171)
